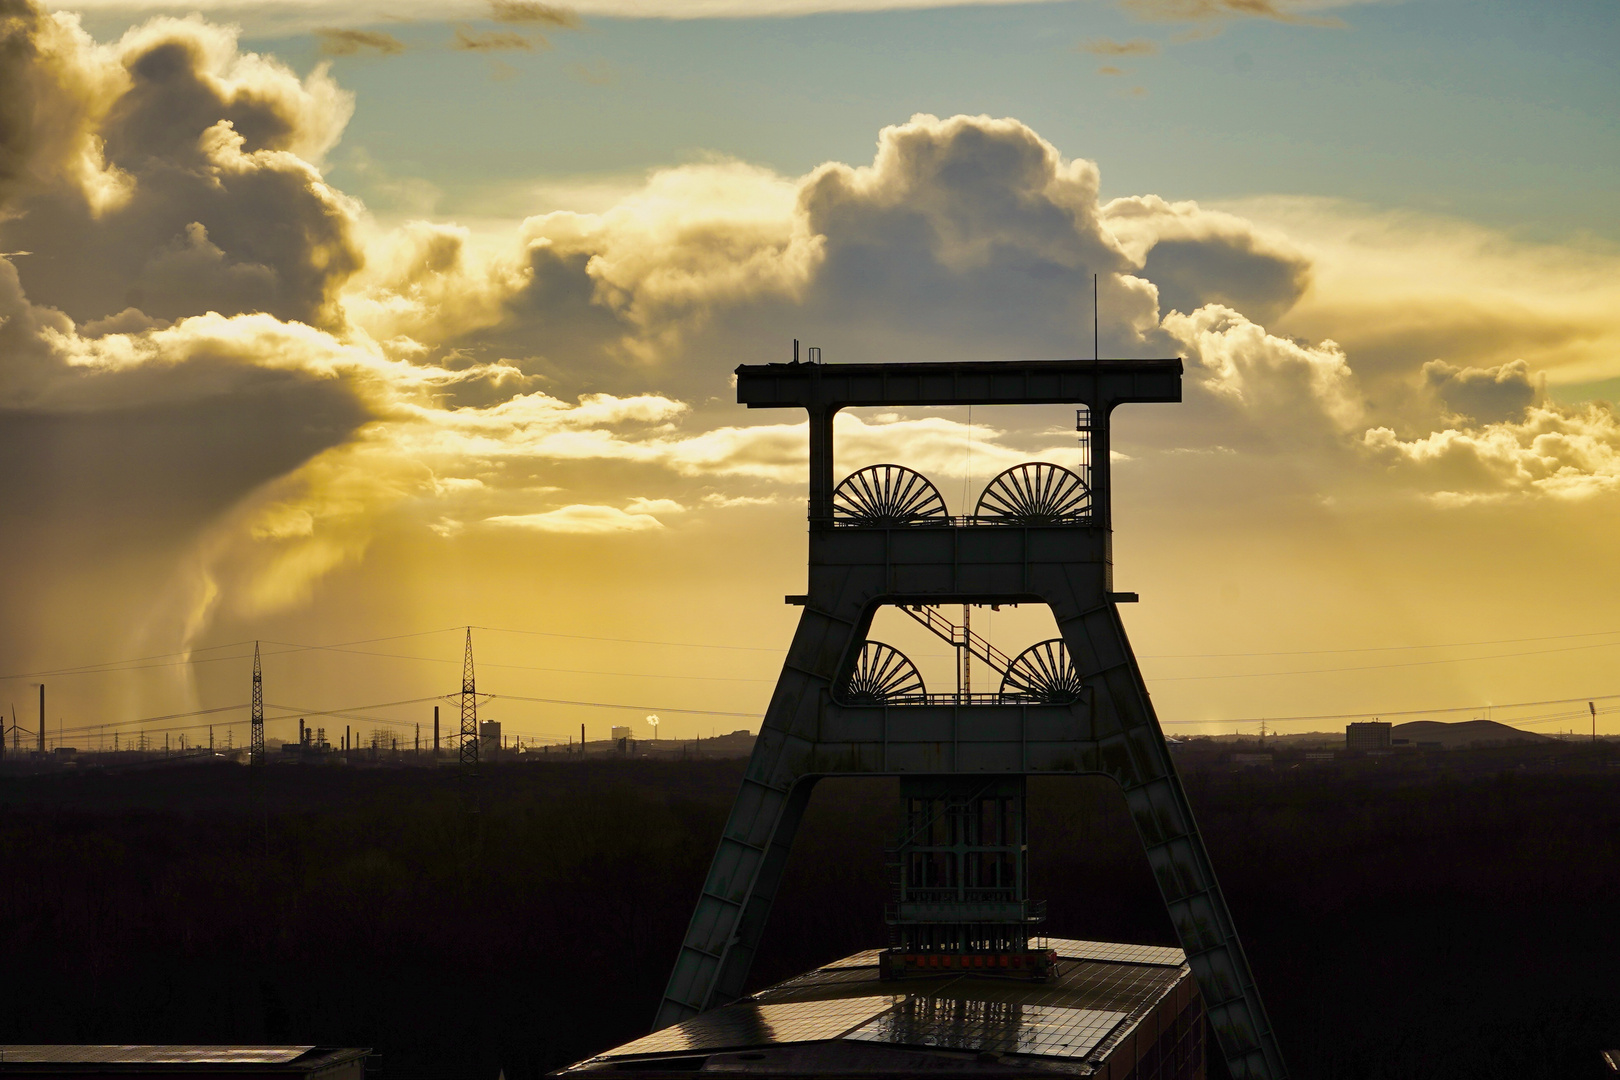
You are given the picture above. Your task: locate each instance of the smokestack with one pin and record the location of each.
(435, 731)
(582, 738)
(41, 718)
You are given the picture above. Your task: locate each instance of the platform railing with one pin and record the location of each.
(915, 700)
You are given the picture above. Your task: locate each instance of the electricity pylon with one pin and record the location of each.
(469, 712)
(256, 725)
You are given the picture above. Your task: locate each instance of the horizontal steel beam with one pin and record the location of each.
(1098, 383)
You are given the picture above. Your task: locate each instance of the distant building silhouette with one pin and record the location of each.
(1367, 735)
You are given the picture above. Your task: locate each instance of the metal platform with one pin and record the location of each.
(1098, 1017)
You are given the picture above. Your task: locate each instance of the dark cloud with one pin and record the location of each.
(470, 40)
(531, 11)
(342, 42)
(1237, 273)
(1197, 257)
(969, 229)
(177, 174)
(1485, 395)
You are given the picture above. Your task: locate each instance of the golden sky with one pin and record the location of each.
(236, 404)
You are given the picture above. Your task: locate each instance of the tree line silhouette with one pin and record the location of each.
(1451, 925)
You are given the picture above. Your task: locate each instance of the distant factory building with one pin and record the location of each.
(1368, 735)
(185, 1062)
(622, 732)
(1105, 1011)
(489, 737)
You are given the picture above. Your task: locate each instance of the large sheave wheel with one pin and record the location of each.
(887, 495)
(1035, 493)
(882, 673)
(1043, 672)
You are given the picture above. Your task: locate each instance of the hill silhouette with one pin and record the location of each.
(1463, 733)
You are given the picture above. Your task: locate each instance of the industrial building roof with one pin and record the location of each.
(843, 1018)
(172, 1058)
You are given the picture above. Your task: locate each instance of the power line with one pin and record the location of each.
(1381, 667)
(108, 665)
(111, 666)
(84, 729)
(1402, 712)
(1374, 648)
(616, 705)
(139, 662)
(521, 667)
(632, 641)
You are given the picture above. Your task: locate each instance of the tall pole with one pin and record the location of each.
(256, 724)
(469, 711)
(435, 731)
(42, 718)
(967, 653)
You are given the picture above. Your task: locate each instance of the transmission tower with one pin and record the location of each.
(469, 712)
(256, 736)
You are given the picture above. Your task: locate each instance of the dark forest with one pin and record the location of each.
(1461, 926)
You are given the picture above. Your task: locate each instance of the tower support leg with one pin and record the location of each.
(1132, 750)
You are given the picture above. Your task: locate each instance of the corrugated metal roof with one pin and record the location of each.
(869, 958)
(1113, 952)
(749, 1024)
(48, 1054)
(1000, 1027)
(1099, 992)
(1080, 984)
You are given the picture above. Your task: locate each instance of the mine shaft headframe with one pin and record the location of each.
(822, 389)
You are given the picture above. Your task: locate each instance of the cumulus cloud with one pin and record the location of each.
(1196, 256)
(1287, 386)
(220, 335)
(1559, 453)
(1399, 289)
(1489, 395)
(172, 173)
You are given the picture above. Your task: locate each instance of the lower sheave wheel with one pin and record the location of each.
(1043, 673)
(881, 676)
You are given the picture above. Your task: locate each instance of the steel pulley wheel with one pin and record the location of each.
(887, 495)
(1043, 672)
(1035, 493)
(882, 673)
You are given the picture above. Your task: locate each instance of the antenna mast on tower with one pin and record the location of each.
(256, 734)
